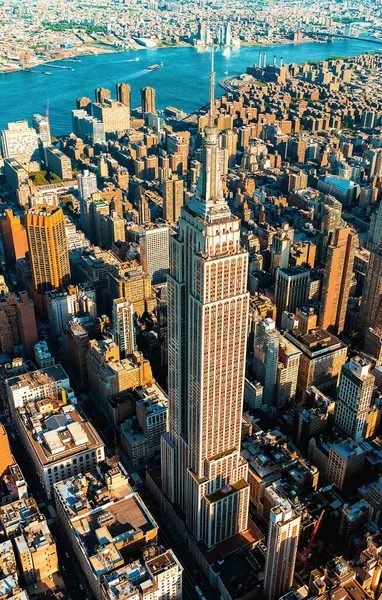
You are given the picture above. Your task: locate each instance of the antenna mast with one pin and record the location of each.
(211, 120)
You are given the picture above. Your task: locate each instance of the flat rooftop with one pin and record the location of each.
(122, 519)
(35, 379)
(56, 430)
(316, 342)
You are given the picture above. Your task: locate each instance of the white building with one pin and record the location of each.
(36, 385)
(154, 248)
(42, 127)
(58, 440)
(354, 398)
(20, 142)
(157, 578)
(282, 542)
(124, 327)
(62, 307)
(75, 237)
(87, 184)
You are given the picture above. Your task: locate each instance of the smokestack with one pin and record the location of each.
(274, 60)
(281, 62)
(259, 63)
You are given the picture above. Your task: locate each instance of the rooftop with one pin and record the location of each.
(56, 429)
(227, 491)
(82, 493)
(39, 378)
(316, 342)
(122, 583)
(102, 531)
(348, 448)
(19, 515)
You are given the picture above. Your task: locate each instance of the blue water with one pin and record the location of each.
(182, 82)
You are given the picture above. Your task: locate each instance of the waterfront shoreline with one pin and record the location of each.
(105, 49)
(183, 82)
(102, 49)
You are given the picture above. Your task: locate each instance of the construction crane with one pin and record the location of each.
(306, 553)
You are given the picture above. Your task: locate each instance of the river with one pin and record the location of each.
(182, 82)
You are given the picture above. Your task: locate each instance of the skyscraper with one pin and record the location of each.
(173, 199)
(123, 323)
(87, 184)
(280, 249)
(154, 249)
(148, 100)
(14, 237)
(123, 93)
(6, 458)
(101, 94)
(287, 372)
(292, 288)
(48, 249)
(229, 143)
(202, 470)
(265, 357)
(17, 324)
(354, 398)
(337, 279)
(330, 220)
(20, 141)
(371, 310)
(282, 541)
(41, 125)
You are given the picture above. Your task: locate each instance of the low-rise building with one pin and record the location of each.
(43, 357)
(34, 545)
(157, 575)
(58, 439)
(105, 521)
(109, 375)
(8, 564)
(140, 435)
(35, 385)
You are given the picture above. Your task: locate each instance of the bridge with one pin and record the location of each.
(331, 35)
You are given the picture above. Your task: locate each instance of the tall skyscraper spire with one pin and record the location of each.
(209, 201)
(211, 120)
(202, 468)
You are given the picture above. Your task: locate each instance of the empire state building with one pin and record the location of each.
(202, 470)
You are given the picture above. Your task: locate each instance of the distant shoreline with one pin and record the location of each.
(101, 48)
(106, 49)
(98, 49)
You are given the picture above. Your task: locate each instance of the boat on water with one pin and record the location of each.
(225, 72)
(154, 67)
(39, 72)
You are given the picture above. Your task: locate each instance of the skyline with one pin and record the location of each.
(191, 305)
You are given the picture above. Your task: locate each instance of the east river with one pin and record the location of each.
(182, 82)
